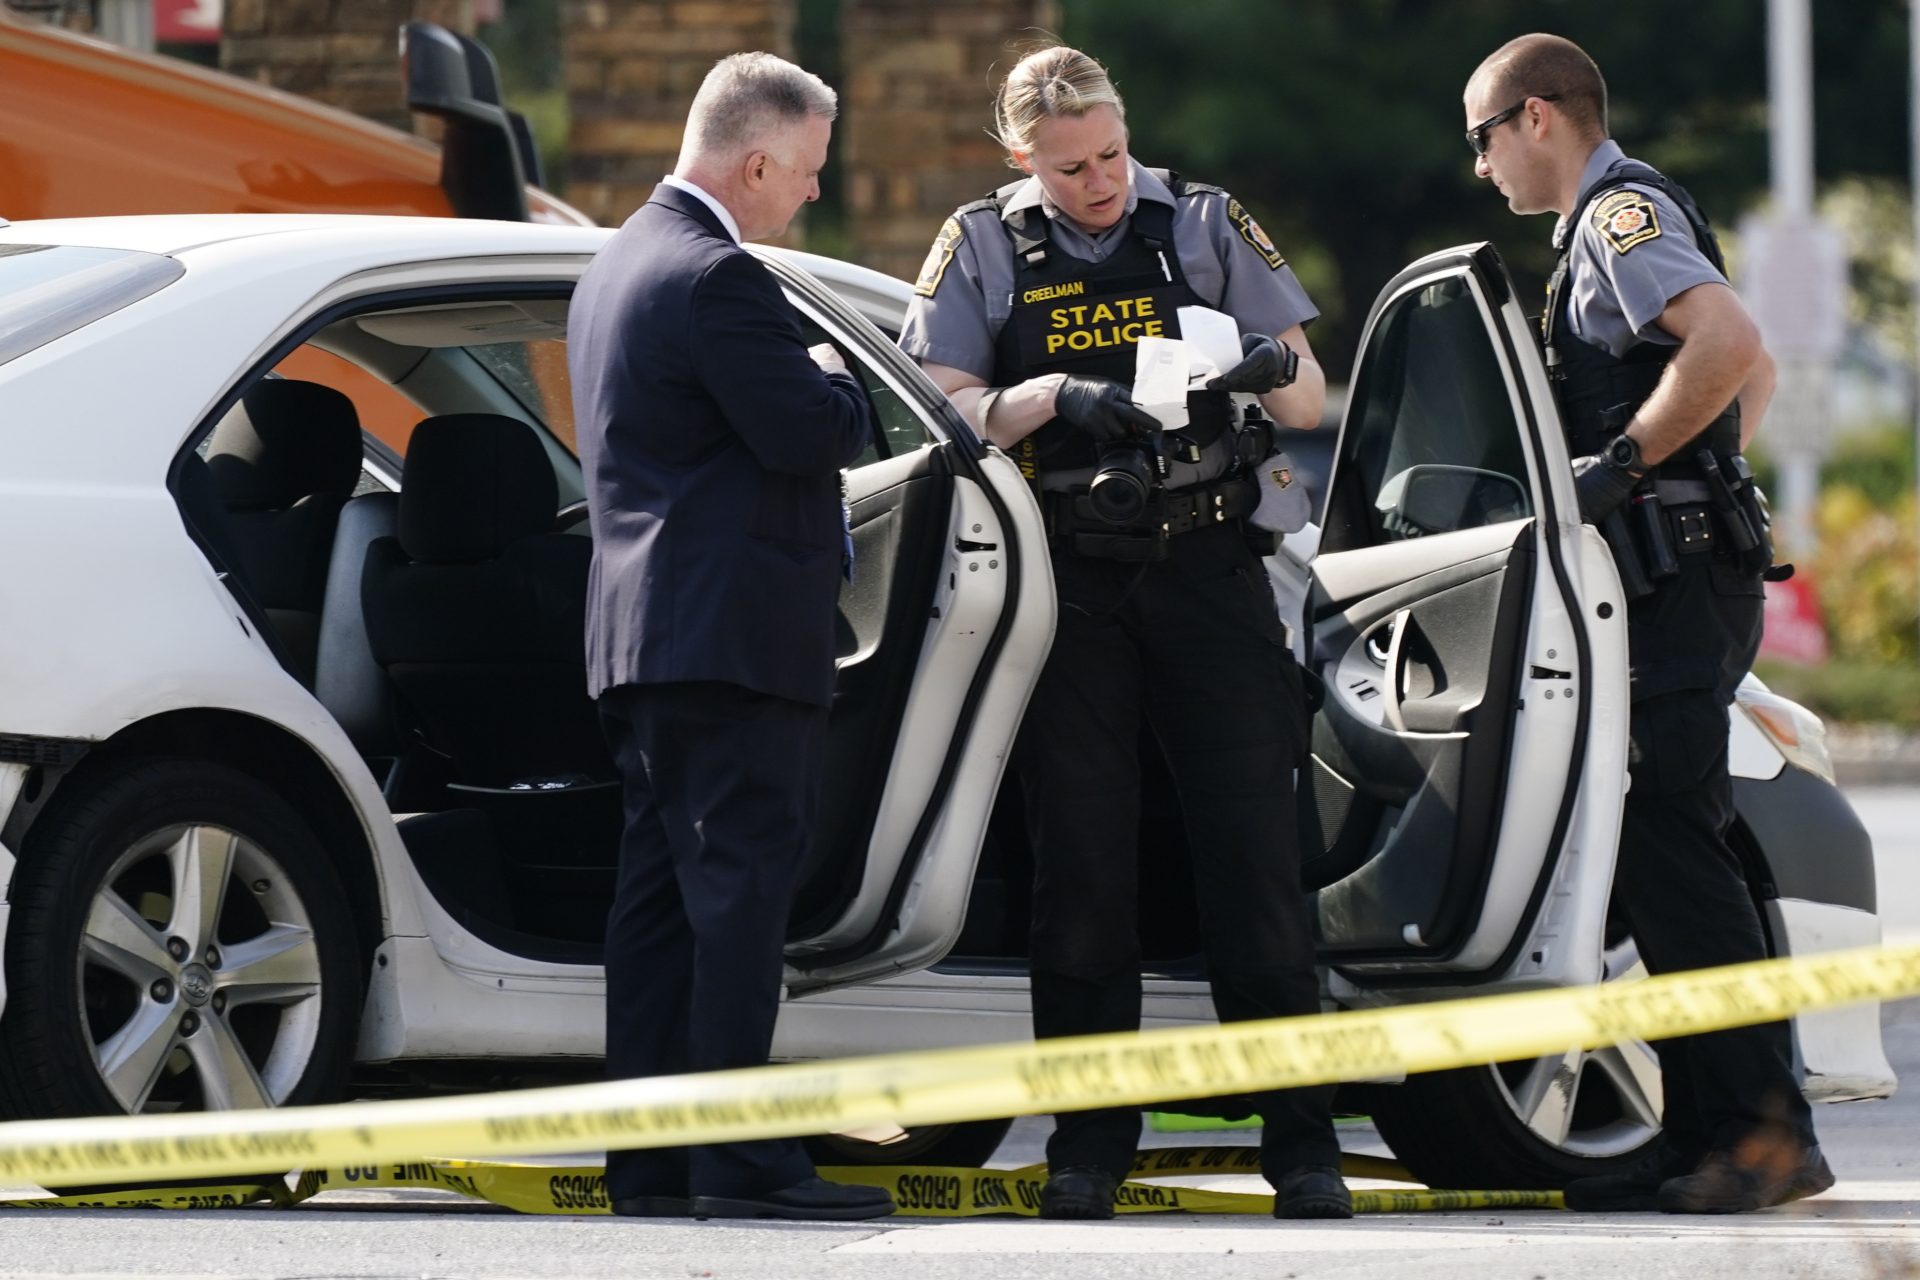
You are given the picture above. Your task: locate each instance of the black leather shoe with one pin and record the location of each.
(653, 1207)
(811, 1198)
(1078, 1192)
(1312, 1191)
(1635, 1189)
(1741, 1182)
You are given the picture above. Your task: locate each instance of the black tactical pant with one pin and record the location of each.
(1194, 644)
(1678, 881)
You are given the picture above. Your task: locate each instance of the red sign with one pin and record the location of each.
(186, 21)
(1795, 631)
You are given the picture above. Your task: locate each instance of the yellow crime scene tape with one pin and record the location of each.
(941, 1086)
(919, 1191)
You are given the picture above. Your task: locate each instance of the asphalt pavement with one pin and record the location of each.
(1864, 1227)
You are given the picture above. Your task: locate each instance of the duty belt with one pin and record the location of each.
(1680, 493)
(1072, 524)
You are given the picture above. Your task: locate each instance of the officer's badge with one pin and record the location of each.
(1626, 218)
(938, 257)
(1250, 232)
(1282, 476)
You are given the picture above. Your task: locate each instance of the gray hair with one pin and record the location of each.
(747, 97)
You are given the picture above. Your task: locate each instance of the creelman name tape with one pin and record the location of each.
(920, 1192)
(954, 1084)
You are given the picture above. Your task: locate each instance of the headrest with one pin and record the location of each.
(285, 440)
(473, 483)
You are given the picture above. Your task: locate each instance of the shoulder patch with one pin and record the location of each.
(1626, 218)
(938, 257)
(1250, 232)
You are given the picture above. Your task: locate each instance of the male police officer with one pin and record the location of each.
(1027, 314)
(1661, 380)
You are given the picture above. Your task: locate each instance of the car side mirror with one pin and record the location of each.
(1435, 497)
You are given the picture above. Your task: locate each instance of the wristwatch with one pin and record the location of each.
(1623, 452)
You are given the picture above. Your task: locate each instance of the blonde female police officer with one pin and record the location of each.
(1026, 315)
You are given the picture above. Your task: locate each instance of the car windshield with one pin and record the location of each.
(48, 291)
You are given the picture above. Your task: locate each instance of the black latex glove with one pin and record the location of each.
(1266, 364)
(1600, 486)
(1102, 408)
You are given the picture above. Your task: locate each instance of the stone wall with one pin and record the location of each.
(916, 92)
(344, 53)
(916, 105)
(632, 68)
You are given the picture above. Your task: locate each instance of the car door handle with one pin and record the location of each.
(1390, 707)
(1379, 644)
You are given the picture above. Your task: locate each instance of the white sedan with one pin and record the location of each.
(300, 790)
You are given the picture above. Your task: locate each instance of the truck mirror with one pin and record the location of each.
(486, 151)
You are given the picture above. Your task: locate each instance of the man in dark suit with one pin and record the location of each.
(712, 440)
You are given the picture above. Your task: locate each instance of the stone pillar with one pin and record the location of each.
(632, 69)
(915, 107)
(345, 53)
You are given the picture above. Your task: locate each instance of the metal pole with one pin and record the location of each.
(125, 22)
(1800, 400)
(1790, 89)
(1913, 190)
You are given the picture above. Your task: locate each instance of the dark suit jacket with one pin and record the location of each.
(711, 444)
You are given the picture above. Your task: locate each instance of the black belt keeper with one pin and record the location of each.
(1220, 502)
(1693, 532)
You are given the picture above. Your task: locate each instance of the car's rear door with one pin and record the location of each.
(942, 631)
(1463, 794)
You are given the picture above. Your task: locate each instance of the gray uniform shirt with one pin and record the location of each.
(1633, 253)
(965, 294)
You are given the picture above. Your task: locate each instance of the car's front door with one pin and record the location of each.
(942, 630)
(1468, 758)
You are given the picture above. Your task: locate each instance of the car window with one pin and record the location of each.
(48, 291)
(535, 374)
(1432, 442)
(385, 414)
(532, 374)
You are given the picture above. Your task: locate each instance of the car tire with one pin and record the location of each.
(965, 1146)
(1517, 1125)
(125, 993)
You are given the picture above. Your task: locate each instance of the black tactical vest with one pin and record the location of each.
(1599, 391)
(1074, 316)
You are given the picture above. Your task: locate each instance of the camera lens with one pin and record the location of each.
(1121, 485)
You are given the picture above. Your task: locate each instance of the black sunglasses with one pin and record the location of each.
(1477, 136)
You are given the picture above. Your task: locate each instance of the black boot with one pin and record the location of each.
(1635, 1189)
(1742, 1181)
(811, 1199)
(1312, 1191)
(1078, 1192)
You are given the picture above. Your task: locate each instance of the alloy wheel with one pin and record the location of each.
(1590, 1102)
(199, 974)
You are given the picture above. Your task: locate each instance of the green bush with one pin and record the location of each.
(1853, 692)
(1868, 575)
(1878, 461)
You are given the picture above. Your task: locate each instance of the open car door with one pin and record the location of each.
(1463, 796)
(943, 628)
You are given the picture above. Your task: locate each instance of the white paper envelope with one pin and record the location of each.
(1160, 380)
(1213, 341)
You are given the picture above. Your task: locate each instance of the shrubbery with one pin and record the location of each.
(1867, 572)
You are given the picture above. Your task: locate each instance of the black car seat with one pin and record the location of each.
(477, 611)
(283, 461)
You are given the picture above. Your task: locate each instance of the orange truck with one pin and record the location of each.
(89, 128)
